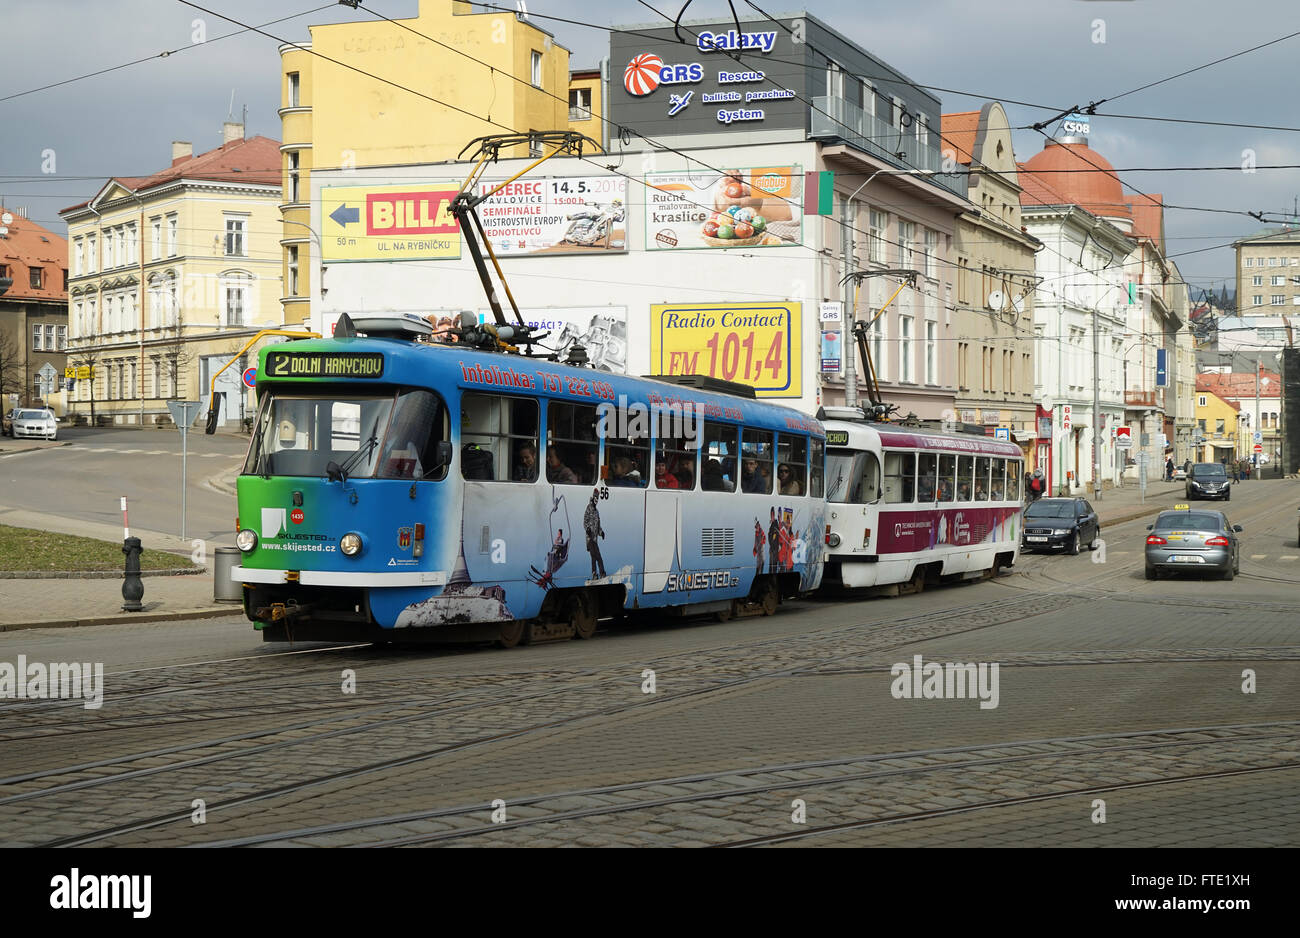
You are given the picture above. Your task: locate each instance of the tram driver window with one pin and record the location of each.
(498, 435)
(572, 450)
(792, 455)
(926, 481)
(719, 457)
(419, 423)
(853, 476)
(946, 479)
(900, 477)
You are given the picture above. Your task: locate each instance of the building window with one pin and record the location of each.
(579, 104)
(1257, 281)
(1277, 300)
(879, 221)
(155, 378)
(293, 270)
(834, 80)
(1218, 427)
(76, 256)
(171, 235)
(236, 296)
(1200, 402)
(132, 244)
(922, 130)
(534, 144)
(235, 237)
(1277, 280)
(904, 348)
(878, 347)
(962, 350)
(931, 354)
(91, 255)
(896, 114)
(537, 69)
(293, 175)
(37, 278)
(37, 336)
(868, 98)
(906, 238)
(1250, 262)
(293, 90)
(155, 303)
(1272, 262)
(120, 251)
(1007, 358)
(1257, 299)
(931, 253)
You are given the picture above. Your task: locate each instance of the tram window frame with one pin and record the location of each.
(946, 478)
(817, 467)
(864, 486)
(1015, 469)
(415, 460)
(795, 448)
(295, 423)
(997, 479)
(503, 440)
(571, 434)
(721, 443)
(927, 477)
(982, 477)
(965, 488)
(760, 446)
(635, 447)
(677, 450)
(899, 486)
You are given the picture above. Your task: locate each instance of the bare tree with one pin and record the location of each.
(13, 376)
(86, 358)
(176, 358)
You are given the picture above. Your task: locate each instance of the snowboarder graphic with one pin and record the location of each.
(760, 539)
(591, 527)
(558, 553)
(774, 544)
(786, 537)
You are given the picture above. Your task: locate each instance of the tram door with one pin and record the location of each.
(663, 532)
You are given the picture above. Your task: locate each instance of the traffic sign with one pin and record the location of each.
(1258, 436)
(1259, 447)
(1124, 437)
(1002, 433)
(250, 376)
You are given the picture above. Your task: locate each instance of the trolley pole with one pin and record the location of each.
(1096, 409)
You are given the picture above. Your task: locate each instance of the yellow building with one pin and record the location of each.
(1217, 426)
(587, 104)
(170, 274)
(468, 74)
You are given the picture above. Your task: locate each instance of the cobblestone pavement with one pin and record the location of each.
(1143, 695)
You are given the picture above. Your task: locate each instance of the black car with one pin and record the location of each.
(1060, 524)
(1208, 480)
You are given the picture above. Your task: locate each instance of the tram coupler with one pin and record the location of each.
(277, 613)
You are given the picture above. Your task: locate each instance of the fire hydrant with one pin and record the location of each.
(132, 587)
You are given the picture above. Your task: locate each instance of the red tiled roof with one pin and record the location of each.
(29, 245)
(1085, 176)
(255, 160)
(1036, 190)
(1239, 385)
(957, 135)
(1148, 217)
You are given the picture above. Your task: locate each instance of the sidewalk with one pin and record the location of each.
(59, 603)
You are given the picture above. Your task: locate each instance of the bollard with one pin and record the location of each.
(132, 587)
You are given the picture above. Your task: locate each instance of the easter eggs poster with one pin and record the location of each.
(754, 207)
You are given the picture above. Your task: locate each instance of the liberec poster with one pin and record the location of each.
(556, 215)
(736, 208)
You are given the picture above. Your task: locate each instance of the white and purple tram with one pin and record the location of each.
(908, 505)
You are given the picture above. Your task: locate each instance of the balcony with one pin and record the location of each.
(1139, 398)
(837, 119)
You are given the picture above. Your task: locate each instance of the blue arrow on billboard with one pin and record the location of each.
(343, 215)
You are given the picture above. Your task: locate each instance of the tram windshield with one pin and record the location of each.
(301, 434)
(852, 477)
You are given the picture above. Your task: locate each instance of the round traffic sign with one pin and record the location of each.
(1259, 448)
(250, 376)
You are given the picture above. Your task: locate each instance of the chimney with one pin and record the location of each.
(181, 150)
(231, 131)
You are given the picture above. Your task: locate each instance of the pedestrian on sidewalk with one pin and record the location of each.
(1169, 468)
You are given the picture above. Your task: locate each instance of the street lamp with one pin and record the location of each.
(849, 252)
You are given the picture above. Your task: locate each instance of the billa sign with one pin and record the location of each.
(389, 223)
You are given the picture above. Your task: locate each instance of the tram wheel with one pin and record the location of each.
(770, 598)
(511, 633)
(578, 614)
(917, 583)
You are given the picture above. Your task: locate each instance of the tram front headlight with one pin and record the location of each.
(246, 539)
(350, 544)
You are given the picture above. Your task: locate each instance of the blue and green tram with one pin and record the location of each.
(398, 489)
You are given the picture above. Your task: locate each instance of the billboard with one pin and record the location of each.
(753, 207)
(601, 330)
(409, 222)
(564, 215)
(750, 343)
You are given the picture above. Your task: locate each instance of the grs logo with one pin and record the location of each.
(647, 71)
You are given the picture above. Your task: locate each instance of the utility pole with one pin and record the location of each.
(1096, 408)
(1256, 423)
(846, 319)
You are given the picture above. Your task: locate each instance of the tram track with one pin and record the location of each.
(1069, 748)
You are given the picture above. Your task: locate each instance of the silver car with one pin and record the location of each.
(1195, 540)
(41, 424)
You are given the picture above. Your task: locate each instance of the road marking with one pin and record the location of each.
(1289, 557)
(1258, 556)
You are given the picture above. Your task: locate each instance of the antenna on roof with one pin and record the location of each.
(230, 114)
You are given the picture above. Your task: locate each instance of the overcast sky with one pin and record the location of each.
(1034, 51)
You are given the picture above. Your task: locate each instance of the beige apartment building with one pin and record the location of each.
(1268, 273)
(995, 280)
(170, 274)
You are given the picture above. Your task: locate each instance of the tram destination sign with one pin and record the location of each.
(285, 364)
(837, 437)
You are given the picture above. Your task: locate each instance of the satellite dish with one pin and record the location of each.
(6, 219)
(996, 300)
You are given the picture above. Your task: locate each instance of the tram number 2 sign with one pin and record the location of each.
(754, 344)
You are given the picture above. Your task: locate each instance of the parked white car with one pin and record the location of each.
(41, 424)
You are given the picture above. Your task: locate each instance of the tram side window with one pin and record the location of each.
(572, 451)
(900, 476)
(627, 458)
(717, 474)
(926, 480)
(817, 471)
(756, 461)
(965, 478)
(419, 423)
(946, 479)
(981, 493)
(792, 457)
(676, 446)
(1013, 480)
(498, 436)
(997, 484)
